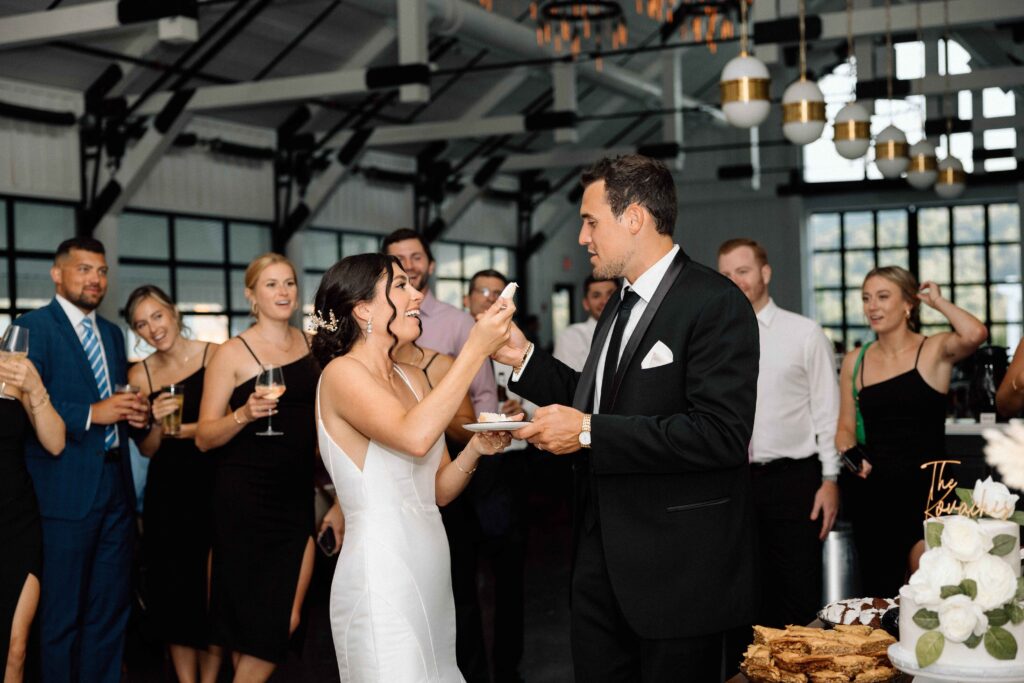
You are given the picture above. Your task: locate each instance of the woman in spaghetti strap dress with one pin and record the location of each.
(178, 513)
(263, 485)
(901, 387)
(24, 408)
(381, 438)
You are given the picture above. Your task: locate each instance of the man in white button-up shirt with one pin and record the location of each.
(793, 455)
(573, 345)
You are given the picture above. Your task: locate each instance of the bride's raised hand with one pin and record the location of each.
(492, 327)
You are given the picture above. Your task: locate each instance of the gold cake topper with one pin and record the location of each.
(944, 497)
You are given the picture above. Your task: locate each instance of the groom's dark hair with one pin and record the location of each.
(636, 179)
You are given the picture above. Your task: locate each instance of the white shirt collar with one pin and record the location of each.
(74, 313)
(767, 314)
(647, 284)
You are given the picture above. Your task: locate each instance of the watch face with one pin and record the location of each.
(585, 438)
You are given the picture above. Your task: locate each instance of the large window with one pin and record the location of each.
(972, 252)
(29, 233)
(457, 262)
(322, 248)
(199, 262)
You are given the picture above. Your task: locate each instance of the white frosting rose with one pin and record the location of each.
(964, 538)
(994, 499)
(938, 567)
(997, 584)
(959, 617)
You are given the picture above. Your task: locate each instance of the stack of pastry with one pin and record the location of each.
(799, 654)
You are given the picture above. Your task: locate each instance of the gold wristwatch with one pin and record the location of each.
(585, 431)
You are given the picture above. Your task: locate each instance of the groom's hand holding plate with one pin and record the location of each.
(555, 429)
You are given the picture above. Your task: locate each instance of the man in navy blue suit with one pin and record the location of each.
(86, 495)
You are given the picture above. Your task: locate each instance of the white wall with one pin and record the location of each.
(371, 205)
(39, 160)
(192, 180)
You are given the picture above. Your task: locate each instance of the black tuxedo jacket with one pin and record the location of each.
(669, 460)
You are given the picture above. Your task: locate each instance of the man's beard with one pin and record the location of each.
(424, 283)
(86, 304)
(606, 270)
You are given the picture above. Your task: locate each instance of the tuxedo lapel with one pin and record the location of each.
(585, 387)
(645, 321)
(73, 345)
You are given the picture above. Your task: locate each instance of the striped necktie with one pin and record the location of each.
(94, 355)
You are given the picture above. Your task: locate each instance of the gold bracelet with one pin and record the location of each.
(234, 416)
(36, 406)
(459, 467)
(518, 368)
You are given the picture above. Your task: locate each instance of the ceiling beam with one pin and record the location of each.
(296, 88)
(869, 21)
(88, 19)
(1005, 77)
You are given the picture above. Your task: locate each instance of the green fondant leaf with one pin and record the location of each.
(969, 587)
(966, 496)
(933, 534)
(949, 591)
(997, 616)
(1017, 517)
(1003, 544)
(999, 643)
(1020, 589)
(973, 641)
(1015, 612)
(926, 619)
(929, 648)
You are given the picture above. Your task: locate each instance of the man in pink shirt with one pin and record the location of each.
(445, 328)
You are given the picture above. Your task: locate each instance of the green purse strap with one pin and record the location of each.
(856, 369)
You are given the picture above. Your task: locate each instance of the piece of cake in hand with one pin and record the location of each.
(494, 417)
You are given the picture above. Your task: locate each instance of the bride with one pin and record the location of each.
(382, 440)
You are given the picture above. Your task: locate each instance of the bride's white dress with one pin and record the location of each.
(392, 611)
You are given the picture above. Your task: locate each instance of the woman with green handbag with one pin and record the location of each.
(893, 404)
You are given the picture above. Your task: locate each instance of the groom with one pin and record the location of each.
(662, 415)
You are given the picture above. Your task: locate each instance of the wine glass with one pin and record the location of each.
(13, 345)
(270, 384)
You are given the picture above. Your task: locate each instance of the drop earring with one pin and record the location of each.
(369, 326)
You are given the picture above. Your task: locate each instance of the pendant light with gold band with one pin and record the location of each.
(851, 131)
(952, 179)
(744, 84)
(803, 104)
(891, 144)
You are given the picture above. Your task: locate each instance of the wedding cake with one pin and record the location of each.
(963, 610)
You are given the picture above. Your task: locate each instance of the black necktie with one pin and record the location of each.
(611, 358)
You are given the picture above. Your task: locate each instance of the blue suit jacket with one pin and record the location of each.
(66, 485)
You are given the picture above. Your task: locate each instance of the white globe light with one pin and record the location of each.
(923, 170)
(891, 152)
(952, 180)
(803, 112)
(744, 86)
(852, 135)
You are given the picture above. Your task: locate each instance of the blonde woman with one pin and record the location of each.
(28, 410)
(178, 514)
(263, 491)
(899, 383)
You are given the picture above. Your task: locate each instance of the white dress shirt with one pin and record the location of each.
(502, 373)
(75, 316)
(573, 345)
(797, 392)
(645, 287)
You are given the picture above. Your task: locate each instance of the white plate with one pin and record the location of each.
(495, 426)
(1000, 672)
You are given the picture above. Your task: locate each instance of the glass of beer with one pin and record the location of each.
(172, 422)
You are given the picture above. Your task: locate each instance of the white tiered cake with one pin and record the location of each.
(962, 614)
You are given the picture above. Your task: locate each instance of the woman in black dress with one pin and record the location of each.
(21, 537)
(263, 491)
(178, 513)
(901, 385)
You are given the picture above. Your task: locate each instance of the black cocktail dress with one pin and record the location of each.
(263, 518)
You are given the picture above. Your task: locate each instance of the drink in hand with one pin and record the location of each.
(172, 422)
(270, 391)
(270, 385)
(13, 345)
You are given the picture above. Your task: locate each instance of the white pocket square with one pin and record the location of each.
(658, 355)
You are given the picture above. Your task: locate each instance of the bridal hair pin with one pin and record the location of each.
(331, 324)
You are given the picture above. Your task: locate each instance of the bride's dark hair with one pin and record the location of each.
(349, 282)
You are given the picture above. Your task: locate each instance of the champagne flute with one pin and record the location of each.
(13, 345)
(270, 384)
